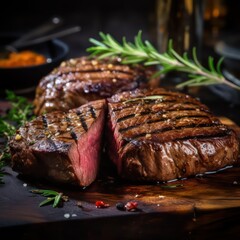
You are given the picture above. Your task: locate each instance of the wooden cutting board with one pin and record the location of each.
(203, 207)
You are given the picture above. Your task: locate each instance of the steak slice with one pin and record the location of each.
(159, 135)
(81, 80)
(62, 147)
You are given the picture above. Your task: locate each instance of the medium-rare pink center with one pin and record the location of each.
(85, 155)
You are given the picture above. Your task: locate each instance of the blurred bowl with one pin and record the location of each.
(25, 79)
(229, 48)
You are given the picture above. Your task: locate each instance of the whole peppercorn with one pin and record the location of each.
(120, 206)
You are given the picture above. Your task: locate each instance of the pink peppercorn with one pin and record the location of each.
(131, 206)
(101, 204)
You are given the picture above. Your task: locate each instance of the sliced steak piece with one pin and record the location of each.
(158, 135)
(62, 147)
(81, 80)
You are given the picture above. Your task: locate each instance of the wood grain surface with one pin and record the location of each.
(202, 207)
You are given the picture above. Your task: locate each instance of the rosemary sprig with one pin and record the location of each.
(52, 197)
(153, 97)
(144, 52)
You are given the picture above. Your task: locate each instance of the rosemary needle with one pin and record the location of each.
(20, 112)
(51, 197)
(144, 52)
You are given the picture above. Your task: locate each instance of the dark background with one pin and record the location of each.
(116, 17)
(124, 18)
(120, 18)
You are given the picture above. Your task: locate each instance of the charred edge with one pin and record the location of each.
(84, 125)
(121, 130)
(176, 128)
(92, 111)
(44, 120)
(82, 120)
(73, 135)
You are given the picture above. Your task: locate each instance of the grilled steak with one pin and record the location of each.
(80, 80)
(63, 147)
(158, 135)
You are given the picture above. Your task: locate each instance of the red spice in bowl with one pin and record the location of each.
(23, 59)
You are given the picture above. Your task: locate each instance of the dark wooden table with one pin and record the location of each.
(202, 207)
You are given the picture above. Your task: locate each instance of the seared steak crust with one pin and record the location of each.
(167, 136)
(63, 147)
(81, 80)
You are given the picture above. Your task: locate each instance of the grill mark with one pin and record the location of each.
(44, 121)
(92, 111)
(84, 125)
(113, 71)
(134, 141)
(72, 133)
(203, 136)
(163, 94)
(151, 102)
(125, 117)
(66, 138)
(47, 133)
(174, 128)
(82, 120)
(149, 112)
(166, 94)
(105, 79)
(121, 130)
(101, 80)
(180, 117)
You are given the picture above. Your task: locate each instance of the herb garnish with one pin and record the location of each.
(2, 164)
(145, 52)
(20, 112)
(21, 109)
(153, 97)
(52, 197)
